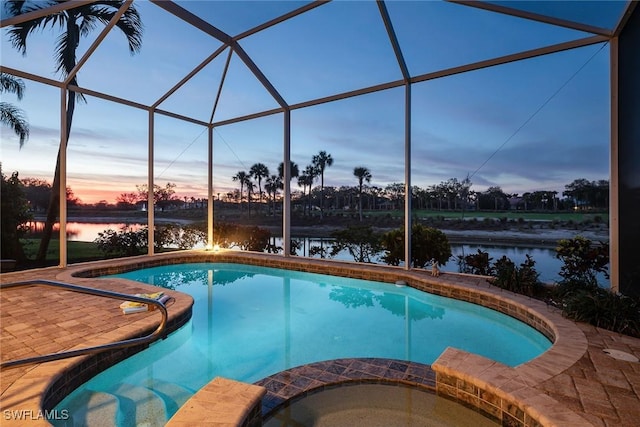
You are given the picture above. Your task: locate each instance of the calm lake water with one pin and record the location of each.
(546, 263)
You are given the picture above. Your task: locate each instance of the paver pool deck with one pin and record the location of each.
(585, 385)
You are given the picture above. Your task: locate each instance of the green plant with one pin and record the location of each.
(479, 263)
(14, 215)
(582, 260)
(245, 237)
(129, 242)
(124, 242)
(360, 241)
(522, 279)
(604, 309)
(427, 245)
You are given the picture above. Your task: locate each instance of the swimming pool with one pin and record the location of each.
(250, 322)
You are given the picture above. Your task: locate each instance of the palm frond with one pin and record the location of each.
(14, 118)
(9, 83)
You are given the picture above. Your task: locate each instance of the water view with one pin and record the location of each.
(546, 263)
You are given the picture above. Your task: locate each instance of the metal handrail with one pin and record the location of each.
(95, 349)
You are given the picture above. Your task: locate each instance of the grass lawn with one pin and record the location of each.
(515, 215)
(75, 250)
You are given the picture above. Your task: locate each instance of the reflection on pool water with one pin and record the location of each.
(376, 405)
(250, 322)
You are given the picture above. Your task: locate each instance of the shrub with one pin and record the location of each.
(522, 279)
(604, 309)
(14, 215)
(427, 245)
(124, 242)
(580, 296)
(360, 241)
(479, 263)
(582, 260)
(247, 238)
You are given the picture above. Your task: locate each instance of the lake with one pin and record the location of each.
(546, 263)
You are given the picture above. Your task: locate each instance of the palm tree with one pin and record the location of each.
(272, 185)
(10, 115)
(321, 161)
(250, 187)
(242, 177)
(363, 174)
(72, 23)
(259, 171)
(293, 170)
(306, 180)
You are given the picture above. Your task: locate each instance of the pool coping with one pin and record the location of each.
(481, 376)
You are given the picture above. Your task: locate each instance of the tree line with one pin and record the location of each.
(449, 195)
(452, 194)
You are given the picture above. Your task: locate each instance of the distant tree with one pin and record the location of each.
(272, 185)
(395, 192)
(463, 192)
(363, 174)
(250, 187)
(242, 177)
(321, 161)
(10, 115)
(163, 197)
(14, 215)
(588, 194)
(38, 193)
(127, 200)
(306, 180)
(72, 200)
(494, 198)
(259, 171)
(73, 23)
(293, 169)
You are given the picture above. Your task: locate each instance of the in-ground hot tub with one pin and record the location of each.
(376, 405)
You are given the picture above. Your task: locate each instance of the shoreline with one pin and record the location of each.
(534, 237)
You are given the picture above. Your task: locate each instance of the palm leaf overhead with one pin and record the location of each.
(10, 115)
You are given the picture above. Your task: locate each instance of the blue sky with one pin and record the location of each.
(547, 117)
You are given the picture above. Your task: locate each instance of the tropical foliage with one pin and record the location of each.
(582, 260)
(361, 242)
(14, 215)
(523, 279)
(363, 174)
(604, 309)
(478, 263)
(10, 115)
(428, 245)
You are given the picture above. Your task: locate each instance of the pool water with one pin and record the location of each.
(376, 405)
(250, 322)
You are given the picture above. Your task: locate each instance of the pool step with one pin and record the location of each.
(127, 405)
(139, 406)
(92, 408)
(173, 395)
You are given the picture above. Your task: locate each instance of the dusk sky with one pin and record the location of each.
(538, 123)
